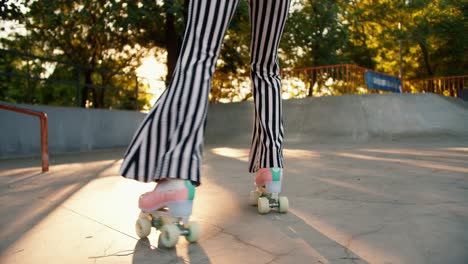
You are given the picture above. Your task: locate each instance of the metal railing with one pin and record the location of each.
(297, 83)
(330, 80)
(44, 131)
(128, 91)
(447, 86)
(350, 79)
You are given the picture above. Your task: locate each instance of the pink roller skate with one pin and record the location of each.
(268, 187)
(168, 208)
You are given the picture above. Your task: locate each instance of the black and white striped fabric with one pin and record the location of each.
(168, 143)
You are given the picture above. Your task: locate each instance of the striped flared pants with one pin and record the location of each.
(169, 141)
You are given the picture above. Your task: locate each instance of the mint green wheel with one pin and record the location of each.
(263, 205)
(193, 232)
(145, 215)
(143, 227)
(169, 235)
(253, 198)
(283, 204)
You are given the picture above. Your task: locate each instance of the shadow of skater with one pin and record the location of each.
(146, 253)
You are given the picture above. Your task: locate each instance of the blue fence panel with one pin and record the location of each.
(383, 82)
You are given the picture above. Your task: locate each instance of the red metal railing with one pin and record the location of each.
(331, 79)
(448, 86)
(44, 131)
(300, 82)
(349, 79)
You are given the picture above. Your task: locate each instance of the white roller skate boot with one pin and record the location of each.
(268, 187)
(168, 208)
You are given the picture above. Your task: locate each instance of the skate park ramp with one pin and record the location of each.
(370, 179)
(349, 117)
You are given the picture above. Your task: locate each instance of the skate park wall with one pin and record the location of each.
(70, 130)
(348, 117)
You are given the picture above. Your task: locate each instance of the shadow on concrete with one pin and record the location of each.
(28, 197)
(292, 226)
(60, 158)
(324, 245)
(351, 203)
(374, 186)
(144, 252)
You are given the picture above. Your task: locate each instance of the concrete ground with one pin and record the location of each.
(370, 202)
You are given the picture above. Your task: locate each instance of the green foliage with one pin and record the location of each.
(315, 34)
(235, 54)
(103, 39)
(431, 33)
(91, 33)
(11, 10)
(58, 93)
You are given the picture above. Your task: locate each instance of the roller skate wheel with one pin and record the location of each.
(253, 198)
(143, 227)
(283, 204)
(263, 205)
(144, 216)
(193, 232)
(165, 220)
(169, 235)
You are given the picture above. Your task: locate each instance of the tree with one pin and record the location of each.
(148, 20)
(431, 34)
(361, 46)
(101, 41)
(158, 24)
(234, 55)
(437, 29)
(10, 10)
(85, 33)
(315, 34)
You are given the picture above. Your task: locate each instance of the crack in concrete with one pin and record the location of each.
(348, 252)
(116, 254)
(105, 250)
(93, 220)
(238, 239)
(275, 257)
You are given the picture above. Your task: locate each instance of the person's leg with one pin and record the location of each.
(266, 152)
(268, 20)
(169, 142)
